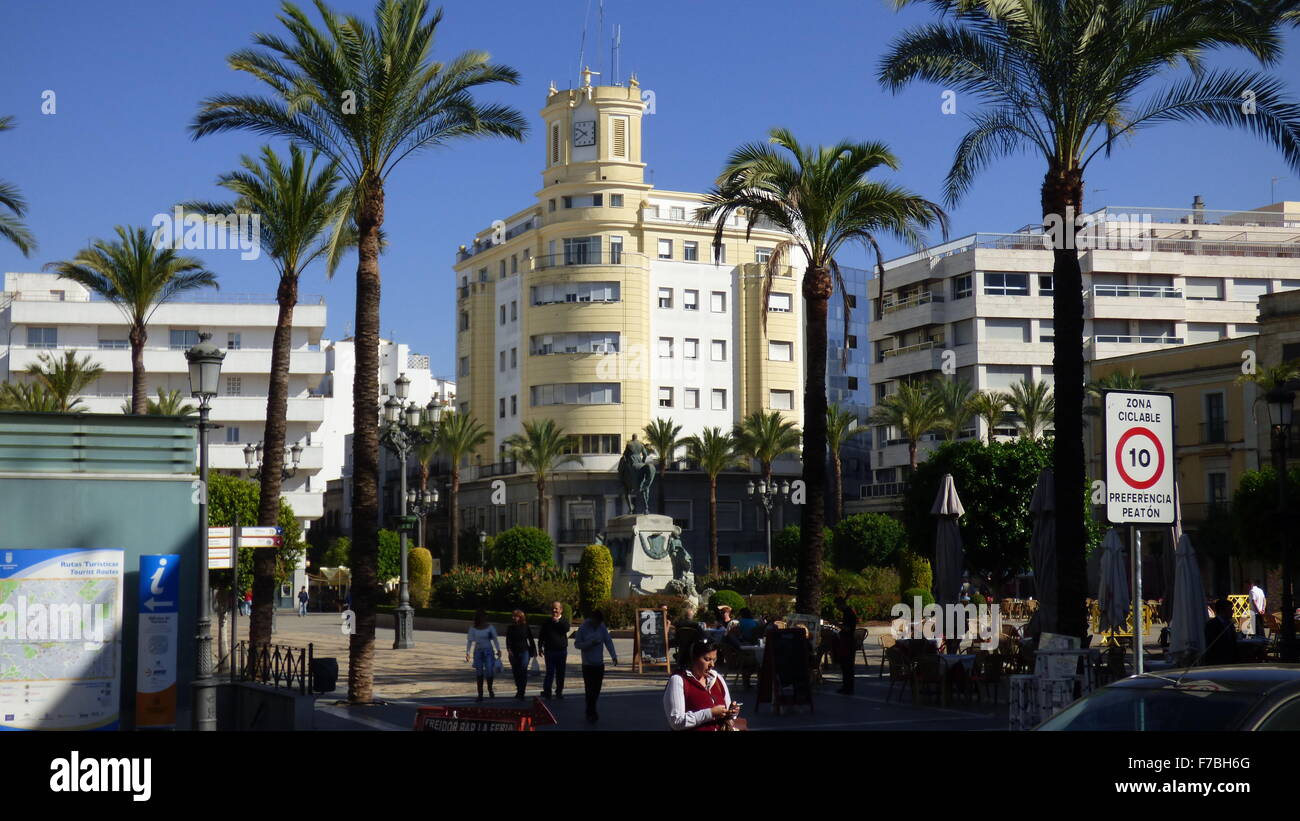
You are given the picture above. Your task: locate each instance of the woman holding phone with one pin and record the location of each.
(697, 698)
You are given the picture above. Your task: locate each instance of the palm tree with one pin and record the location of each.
(841, 426)
(11, 225)
(1117, 381)
(31, 397)
(821, 197)
(65, 379)
(1035, 404)
(954, 397)
(541, 448)
(714, 451)
(365, 96)
(168, 403)
(137, 277)
(766, 437)
(458, 436)
(990, 406)
(662, 436)
(1062, 78)
(303, 217)
(913, 410)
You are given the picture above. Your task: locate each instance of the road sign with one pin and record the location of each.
(260, 531)
(218, 533)
(219, 558)
(1139, 457)
(259, 541)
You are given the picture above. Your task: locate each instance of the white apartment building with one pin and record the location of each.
(1153, 278)
(41, 313)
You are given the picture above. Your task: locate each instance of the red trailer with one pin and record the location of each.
(484, 719)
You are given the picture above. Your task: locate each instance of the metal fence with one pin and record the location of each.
(276, 665)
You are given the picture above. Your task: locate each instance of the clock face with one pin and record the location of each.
(584, 133)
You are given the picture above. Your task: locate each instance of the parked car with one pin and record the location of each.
(1235, 697)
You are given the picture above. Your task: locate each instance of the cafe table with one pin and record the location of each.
(949, 665)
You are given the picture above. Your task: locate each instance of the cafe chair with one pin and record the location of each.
(928, 678)
(886, 641)
(900, 670)
(987, 674)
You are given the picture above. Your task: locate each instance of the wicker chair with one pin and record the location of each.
(900, 670)
(886, 641)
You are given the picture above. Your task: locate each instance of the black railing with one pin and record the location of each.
(884, 489)
(276, 665)
(497, 469)
(1214, 431)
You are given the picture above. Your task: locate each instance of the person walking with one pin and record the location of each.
(302, 602)
(848, 631)
(592, 639)
(1257, 604)
(521, 647)
(697, 698)
(553, 637)
(248, 603)
(481, 642)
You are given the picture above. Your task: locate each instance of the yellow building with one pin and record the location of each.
(603, 305)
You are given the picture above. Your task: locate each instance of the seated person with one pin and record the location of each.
(1220, 636)
(749, 627)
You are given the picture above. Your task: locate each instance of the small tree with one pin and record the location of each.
(420, 564)
(390, 556)
(595, 577)
(521, 546)
(868, 540)
(785, 548)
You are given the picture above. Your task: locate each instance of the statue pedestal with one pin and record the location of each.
(639, 545)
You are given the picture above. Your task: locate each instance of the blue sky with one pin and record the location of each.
(129, 76)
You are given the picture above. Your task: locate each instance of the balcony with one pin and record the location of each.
(919, 358)
(1141, 291)
(1104, 339)
(161, 359)
(926, 308)
(578, 259)
(879, 490)
(1214, 432)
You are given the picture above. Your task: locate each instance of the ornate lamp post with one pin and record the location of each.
(205, 375)
(421, 504)
(482, 547)
(401, 433)
(1281, 410)
(253, 460)
(766, 495)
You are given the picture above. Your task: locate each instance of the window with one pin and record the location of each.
(691, 398)
(113, 344)
(778, 303)
(677, 212)
(665, 347)
(503, 314)
(691, 300)
(232, 435)
(514, 404)
(691, 251)
(618, 141)
(501, 408)
(963, 332)
(1198, 332)
(853, 383)
(597, 200)
(615, 200)
(1216, 486)
(1046, 286)
(665, 249)
(665, 397)
(851, 300)
(514, 310)
(464, 366)
(464, 320)
(233, 342)
(1215, 419)
(780, 400)
(718, 300)
(654, 211)
(234, 385)
(762, 254)
(482, 275)
(580, 342)
(1249, 290)
(1047, 330)
(514, 357)
(680, 511)
(49, 337)
(728, 516)
(514, 263)
(962, 286)
(1204, 288)
(575, 292)
(551, 205)
(665, 297)
(719, 253)
(180, 340)
(1006, 284)
(719, 399)
(780, 351)
(501, 272)
(1006, 330)
(852, 341)
(719, 350)
(568, 201)
(576, 393)
(616, 250)
(692, 349)
(582, 251)
(502, 367)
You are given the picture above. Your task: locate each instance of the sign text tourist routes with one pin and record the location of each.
(1139, 457)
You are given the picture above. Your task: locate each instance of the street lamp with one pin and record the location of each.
(205, 375)
(253, 460)
(421, 504)
(766, 494)
(1281, 410)
(401, 433)
(482, 546)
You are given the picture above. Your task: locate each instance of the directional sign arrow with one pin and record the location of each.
(152, 603)
(260, 531)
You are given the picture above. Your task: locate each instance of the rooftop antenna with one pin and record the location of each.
(582, 45)
(1272, 188)
(600, 32)
(614, 51)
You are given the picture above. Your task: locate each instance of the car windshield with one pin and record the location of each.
(1159, 709)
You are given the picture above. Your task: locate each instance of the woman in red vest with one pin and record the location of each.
(697, 698)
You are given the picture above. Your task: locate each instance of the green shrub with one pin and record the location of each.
(530, 588)
(537, 592)
(521, 546)
(338, 554)
(914, 570)
(390, 556)
(420, 565)
(871, 593)
(470, 548)
(868, 540)
(754, 581)
(595, 577)
(770, 606)
(909, 596)
(730, 598)
(785, 547)
(619, 614)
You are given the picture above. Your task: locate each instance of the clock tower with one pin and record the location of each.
(593, 141)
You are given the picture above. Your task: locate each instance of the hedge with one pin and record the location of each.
(785, 547)
(595, 576)
(754, 581)
(522, 546)
(420, 564)
(531, 588)
(868, 540)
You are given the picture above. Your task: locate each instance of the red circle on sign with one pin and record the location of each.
(1160, 458)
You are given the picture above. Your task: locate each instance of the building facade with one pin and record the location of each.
(603, 305)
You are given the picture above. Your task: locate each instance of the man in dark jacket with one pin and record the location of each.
(553, 638)
(848, 630)
(1220, 636)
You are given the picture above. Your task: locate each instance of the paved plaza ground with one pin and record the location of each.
(434, 672)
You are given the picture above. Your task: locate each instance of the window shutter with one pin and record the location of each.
(620, 137)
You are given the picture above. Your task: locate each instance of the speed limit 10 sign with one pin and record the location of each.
(1139, 457)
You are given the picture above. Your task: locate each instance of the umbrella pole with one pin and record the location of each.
(1137, 599)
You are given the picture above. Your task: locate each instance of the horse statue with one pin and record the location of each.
(636, 474)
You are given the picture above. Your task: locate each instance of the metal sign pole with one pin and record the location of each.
(1137, 600)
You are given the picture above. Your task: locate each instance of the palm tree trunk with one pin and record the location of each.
(911, 453)
(713, 525)
(839, 487)
(454, 513)
(365, 446)
(817, 293)
(541, 502)
(1062, 195)
(139, 389)
(268, 504)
